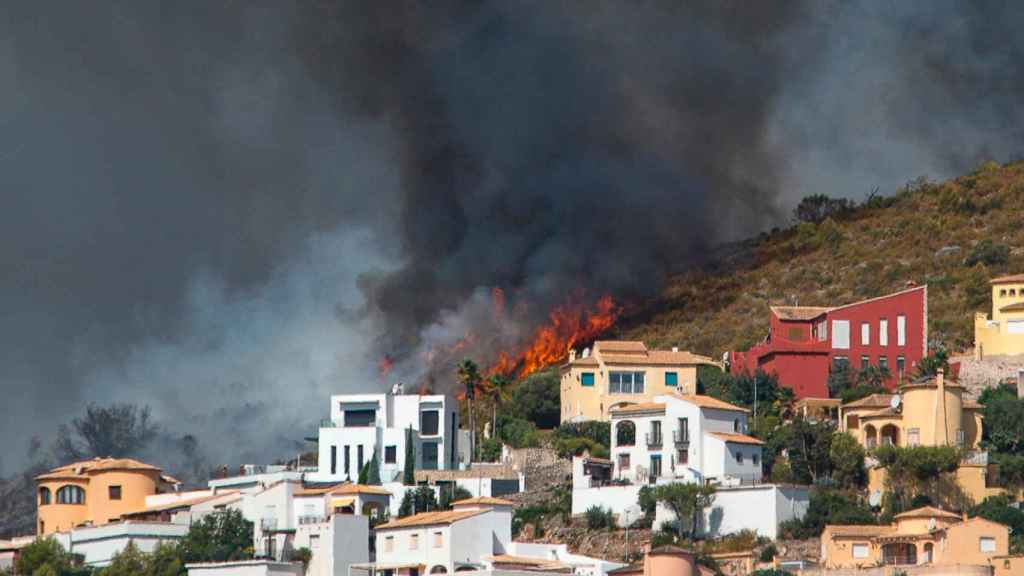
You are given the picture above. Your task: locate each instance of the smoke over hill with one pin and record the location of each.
(230, 210)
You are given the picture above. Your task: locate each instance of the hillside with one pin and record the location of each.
(952, 236)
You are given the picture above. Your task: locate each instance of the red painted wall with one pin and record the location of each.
(804, 365)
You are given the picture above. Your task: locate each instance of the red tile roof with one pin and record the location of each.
(736, 438)
(431, 519)
(928, 512)
(798, 312)
(1012, 279)
(709, 402)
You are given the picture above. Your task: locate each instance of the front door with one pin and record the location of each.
(655, 468)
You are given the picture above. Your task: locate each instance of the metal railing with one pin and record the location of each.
(681, 436)
(654, 438)
(311, 519)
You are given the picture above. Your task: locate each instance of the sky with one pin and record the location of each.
(229, 210)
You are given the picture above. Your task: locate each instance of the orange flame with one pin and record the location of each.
(384, 366)
(567, 325)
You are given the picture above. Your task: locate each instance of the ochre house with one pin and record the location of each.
(1002, 333)
(924, 412)
(95, 492)
(925, 536)
(619, 373)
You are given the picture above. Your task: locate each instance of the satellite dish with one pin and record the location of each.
(931, 524)
(894, 403)
(875, 498)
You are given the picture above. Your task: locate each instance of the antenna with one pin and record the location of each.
(895, 402)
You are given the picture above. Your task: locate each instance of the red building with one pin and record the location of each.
(805, 342)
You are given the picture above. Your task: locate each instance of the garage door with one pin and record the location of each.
(1015, 326)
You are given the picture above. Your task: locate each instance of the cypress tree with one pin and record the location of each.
(409, 473)
(373, 473)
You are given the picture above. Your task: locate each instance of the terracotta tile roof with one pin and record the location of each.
(620, 346)
(542, 563)
(343, 489)
(483, 500)
(1015, 307)
(639, 408)
(709, 402)
(1014, 278)
(669, 549)
(736, 438)
(657, 358)
(588, 361)
(631, 569)
(872, 401)
(928, 512)
(883, 413)
(798, 312)
(431, 519)
(865, 530)
(84, 468)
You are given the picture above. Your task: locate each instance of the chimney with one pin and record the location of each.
(675, 348)
(586, 352)
(572, 355)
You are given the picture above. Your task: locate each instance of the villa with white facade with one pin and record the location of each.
(364, 424)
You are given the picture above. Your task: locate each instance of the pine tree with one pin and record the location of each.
(373, 473)
(409, 473)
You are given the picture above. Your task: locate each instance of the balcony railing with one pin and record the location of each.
(681, 436)
(311, 519)
(654, 438)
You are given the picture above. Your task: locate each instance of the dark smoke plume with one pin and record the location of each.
(229, 210)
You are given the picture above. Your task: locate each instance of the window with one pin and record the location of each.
(913, 436)
(114, 492)
(901, 330)
(683, 435)
(901, 365)
(655, 466)
(736, 425)
(960, 438)
(883, 332)
(841, 334)
(739, 457)
(348, 460)
(626, 383)
(864, 361)
(1013, 291)
(624, 461)
(756, 459)
(429, 422)
(359, 457)
(360, 418)
(683, 457)
(860, 551)
(865, 334)
(822, 331)
(671, 379)
(389, 543)
(438, 540)
(70, 494)
(587, 379)
(852, 422)
(390, 454)
(840, 363)
(987, 544)
(334, 459)
(430, 455)
(44, 496)
(883, 363)
(314, 541)
(414, 541)
(654, 437)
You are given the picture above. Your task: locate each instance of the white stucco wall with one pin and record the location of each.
(760, 508)
(98, 544)
(245, 568)
(335, 543)
(616, 498)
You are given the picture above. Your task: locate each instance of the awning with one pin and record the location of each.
(342, 502)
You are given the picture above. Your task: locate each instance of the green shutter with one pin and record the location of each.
(587, 378)
(671, 379)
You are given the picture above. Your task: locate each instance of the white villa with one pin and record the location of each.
(688, 438)
(362, 424)
(475, 537)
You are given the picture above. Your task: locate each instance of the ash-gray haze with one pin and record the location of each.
(229, 210)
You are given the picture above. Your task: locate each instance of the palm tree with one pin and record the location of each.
(499, 389)
(468, 375)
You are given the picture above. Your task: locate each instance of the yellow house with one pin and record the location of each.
(924, 412)
(95, 492)
(925, 536)
(619, 373)
(1003, 332)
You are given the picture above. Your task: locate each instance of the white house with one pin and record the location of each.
(677, 438)
(731, 510)
(336, 542)
(99, 544)
(474, 537)
(362, 424)
(245, 568)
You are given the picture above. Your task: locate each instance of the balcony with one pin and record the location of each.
(681, 437)
(653, 439)
(311, 519)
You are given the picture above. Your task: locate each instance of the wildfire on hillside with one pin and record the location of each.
(567, 325)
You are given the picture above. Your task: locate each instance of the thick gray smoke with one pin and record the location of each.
(229, 210)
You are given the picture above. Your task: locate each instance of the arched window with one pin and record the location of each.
(438, 570)
(70, 494)
(44, 496)
(625, 433)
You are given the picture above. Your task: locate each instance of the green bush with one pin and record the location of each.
(537, 399)
(517, 433)
(528, 515)
(597, 432)
(599, 518)
(768, 553)
(828, 506)
(490, 450)
(988, 253)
